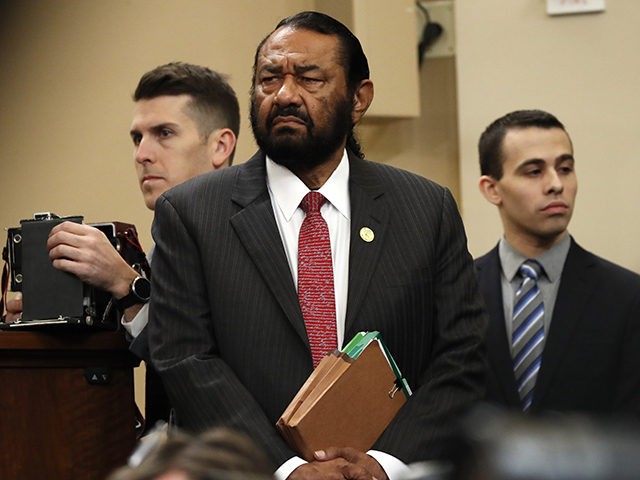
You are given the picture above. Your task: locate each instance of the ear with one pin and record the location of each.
(221, 143)
(489, 189)
(362, 98)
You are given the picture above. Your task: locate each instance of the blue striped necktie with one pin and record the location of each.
(528, 331)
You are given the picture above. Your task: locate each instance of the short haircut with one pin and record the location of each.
(490, 144)
(214, 103)
(350, 56)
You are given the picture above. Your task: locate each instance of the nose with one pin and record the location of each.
(143, 151)
(555, 184)
(288, 92)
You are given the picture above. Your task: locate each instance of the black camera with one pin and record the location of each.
(54, 297)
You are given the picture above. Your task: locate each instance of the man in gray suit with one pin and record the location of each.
(227, 332)
(587, 336)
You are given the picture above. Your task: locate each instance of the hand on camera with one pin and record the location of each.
(86, 252)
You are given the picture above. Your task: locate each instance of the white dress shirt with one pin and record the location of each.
(286, 192)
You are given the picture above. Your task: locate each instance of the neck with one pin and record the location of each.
(317, 176)
(533, 247)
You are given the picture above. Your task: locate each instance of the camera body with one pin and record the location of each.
(51, 296)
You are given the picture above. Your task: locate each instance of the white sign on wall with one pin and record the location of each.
(564, 7)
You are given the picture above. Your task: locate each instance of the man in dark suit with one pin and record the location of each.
(590, 330)
(185, 122)
(226, 330)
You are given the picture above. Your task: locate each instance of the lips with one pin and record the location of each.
(288, 119)
(287, 123)
(289, 116)
(556, 208)
(150, 178)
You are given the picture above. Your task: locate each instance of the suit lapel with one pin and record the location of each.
(498, 344)
(368, 211)
(576, 286)
(256, 227)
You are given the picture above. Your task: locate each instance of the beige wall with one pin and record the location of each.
(69, 69)
(583, 68)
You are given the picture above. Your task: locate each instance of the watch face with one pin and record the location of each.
(141, 288)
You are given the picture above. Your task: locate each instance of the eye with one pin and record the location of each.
(136, 138)
(165, 132)
(269, 80)
(311, 83)
(311, 80)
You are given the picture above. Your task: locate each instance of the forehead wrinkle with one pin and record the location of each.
(283, 48)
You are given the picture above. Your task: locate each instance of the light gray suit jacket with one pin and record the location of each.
(226, 332)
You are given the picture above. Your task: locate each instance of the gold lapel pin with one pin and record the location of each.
(366, 234)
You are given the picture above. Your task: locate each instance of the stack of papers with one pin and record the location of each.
(347, 401)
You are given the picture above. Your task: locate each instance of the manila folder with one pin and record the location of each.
(350, 406)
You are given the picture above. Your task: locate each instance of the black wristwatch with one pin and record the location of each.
(139, 293)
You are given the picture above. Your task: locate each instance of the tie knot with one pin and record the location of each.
(312, 202)
(531, 268)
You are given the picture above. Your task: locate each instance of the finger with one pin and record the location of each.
(63, 238)
(71, 227)
(352, 456)
(355, 472)
(14, 308)
(330, 453)
(65, 251)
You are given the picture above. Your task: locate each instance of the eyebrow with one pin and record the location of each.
(565, 157)
(297, 68)
(155, 128)
(531, 161)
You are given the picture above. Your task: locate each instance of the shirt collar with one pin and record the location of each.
(288, 190)
(552, 260)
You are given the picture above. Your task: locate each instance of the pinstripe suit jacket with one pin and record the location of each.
(226, 332)
(591, 358)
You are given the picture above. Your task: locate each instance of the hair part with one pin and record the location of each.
(491, 140)
(350, 55)
(213, 104)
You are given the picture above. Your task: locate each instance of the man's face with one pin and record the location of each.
(300, 110)
(168, 146)
(537, 191)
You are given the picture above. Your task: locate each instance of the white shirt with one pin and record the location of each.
(286, 192)
(137, 323)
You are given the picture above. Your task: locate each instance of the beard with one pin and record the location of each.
(292, 150)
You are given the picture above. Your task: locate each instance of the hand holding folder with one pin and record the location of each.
(347, 401)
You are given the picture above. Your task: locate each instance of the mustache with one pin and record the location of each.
(289, 111)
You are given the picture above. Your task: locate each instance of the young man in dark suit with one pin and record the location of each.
(579, 350)
(227, 331)
(185, 122)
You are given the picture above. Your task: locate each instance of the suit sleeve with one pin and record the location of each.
(203, 389)
(627, 395)
(452, 379)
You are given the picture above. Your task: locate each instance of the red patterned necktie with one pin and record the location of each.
(315, 279)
